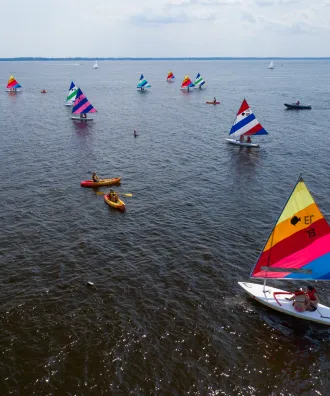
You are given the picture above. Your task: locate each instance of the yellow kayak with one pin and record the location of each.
(120, 205)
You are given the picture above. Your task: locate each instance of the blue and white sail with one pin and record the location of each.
(246, 124)
(199, 82)
(143, 84)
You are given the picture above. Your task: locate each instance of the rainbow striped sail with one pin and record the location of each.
(246, 123)
(143, 83)
(170, 77)
(186, 83)
(12, 85)
(199, 82)
(82, 104)
(299, 244)
(71, 95)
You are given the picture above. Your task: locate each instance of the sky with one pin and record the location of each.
(165, 28)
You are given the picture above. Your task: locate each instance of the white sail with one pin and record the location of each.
(96, 66)
(271, 65)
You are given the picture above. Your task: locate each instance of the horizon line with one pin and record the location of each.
(39, 58)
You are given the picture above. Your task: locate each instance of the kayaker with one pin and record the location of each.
(135, 133)
(214, 100)
(95, 178)
(313, 299)
(248, 140)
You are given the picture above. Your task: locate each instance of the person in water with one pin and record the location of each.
(312, 298)
(248, 140)
(95, 178)
(300, 300)
(135, 133)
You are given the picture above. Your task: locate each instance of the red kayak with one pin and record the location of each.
(101, 182)
(213, 102)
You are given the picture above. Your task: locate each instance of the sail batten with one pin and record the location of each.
(246, 123)
(299, 244)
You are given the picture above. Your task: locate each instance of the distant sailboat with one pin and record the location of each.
(71, 95)
(96, 66)
(245, 124)
(271, 65)
(187, 83)
(142, 84)
(298, 248)
(82, 107)
(170, 77)
(13, 85)
(199, 82)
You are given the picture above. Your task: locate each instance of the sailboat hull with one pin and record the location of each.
(244, 144)
(13, 90)
(77, 118)
(321, 315)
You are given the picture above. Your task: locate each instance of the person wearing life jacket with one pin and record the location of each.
(241, 139)
(300, 300)
(248, 139)
(313, 299)
(95, 178)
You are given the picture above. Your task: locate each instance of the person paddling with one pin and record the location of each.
(214, 100)
(95, 178)
(135, 133)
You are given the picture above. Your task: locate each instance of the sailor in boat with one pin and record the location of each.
(241, 139)
(313, 299)
(83, 116)
(248, 140)
(297, 103)
(95, 178)
(300, 300)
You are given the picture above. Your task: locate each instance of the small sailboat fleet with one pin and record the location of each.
(13, 85)
(187, 83)
(298, 248)
(199, 82)
(142, 84)
(170, 77)
(245, 124)
(96, 66)
(81, 108)
(271, 65)
(71, 95)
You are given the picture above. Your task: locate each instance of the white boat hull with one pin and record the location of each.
(68, 104)
(321, 315)
(244, 144)
(77, 118)
(13, 90)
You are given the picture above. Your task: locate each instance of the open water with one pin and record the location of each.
(165, 315)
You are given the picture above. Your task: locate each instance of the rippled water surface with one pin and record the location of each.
(165, 314)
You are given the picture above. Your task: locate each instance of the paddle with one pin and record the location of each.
(104, 193)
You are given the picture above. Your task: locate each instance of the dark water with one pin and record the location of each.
(166, 315)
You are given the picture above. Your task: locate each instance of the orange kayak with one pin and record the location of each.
(101, 182)
(213, 102)
(120, 205)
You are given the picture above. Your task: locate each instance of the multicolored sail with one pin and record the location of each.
(71, 95)
(186, 83)
(199, 82)
(170, 77)
(299, 245)
(12, 84)
(246, 123)
(81, 104)
(143, 83)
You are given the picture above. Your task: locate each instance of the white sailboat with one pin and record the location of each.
(271, 65)
(96, 66)
(298, 248)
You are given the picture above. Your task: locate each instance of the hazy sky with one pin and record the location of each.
(164, 28)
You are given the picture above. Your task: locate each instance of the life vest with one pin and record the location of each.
(311, 295)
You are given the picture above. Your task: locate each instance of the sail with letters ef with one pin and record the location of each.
(299, 244)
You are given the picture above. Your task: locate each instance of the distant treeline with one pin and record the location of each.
(150, 59)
